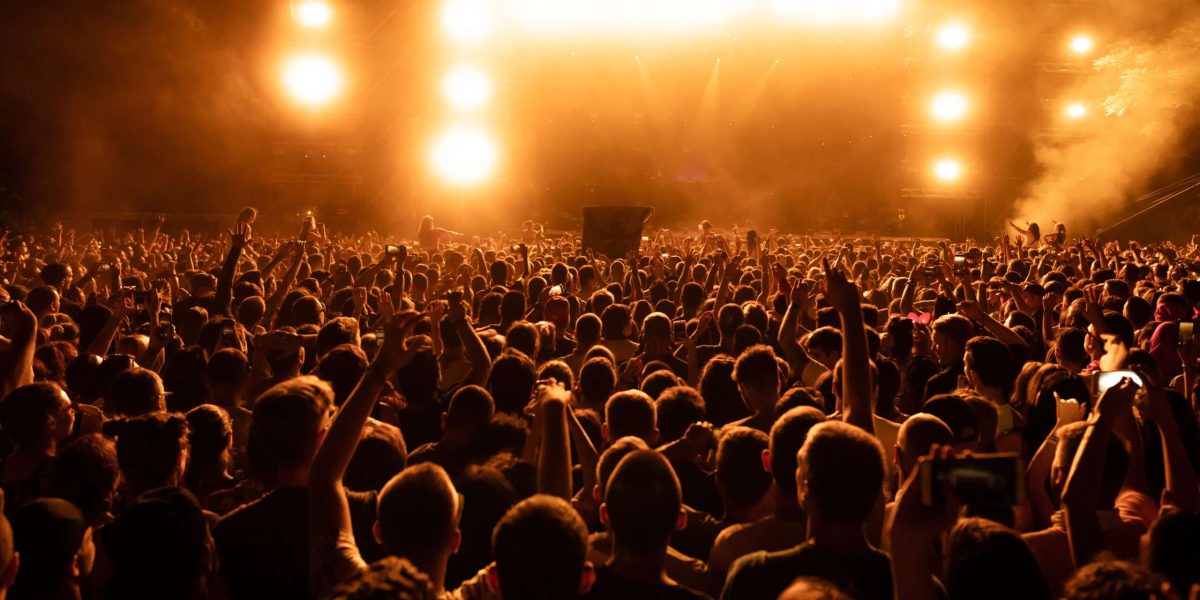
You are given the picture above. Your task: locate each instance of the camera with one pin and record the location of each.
(980, 479)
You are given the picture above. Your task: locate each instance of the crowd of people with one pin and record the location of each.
(721, 413)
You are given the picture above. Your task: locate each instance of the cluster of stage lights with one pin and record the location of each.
(952, 106)
(312, 78)
(465, 153)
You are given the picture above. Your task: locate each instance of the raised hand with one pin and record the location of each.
(1067, 411)
(971, 310)
(397, 351)
(1116, 400)
(239, 234)
(840, 292)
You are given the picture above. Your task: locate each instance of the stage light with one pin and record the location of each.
(1081, 44)
(467, 21)
(312, 79)
(464, 155)
(833, 12)
(467, 87)
(949, 106)
(314, 14)
(953, 36)
(1076, 110)
(947, 170)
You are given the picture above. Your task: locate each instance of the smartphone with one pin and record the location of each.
(1106, 379)
(515, 248)
(556, 290)
(679, 329)
(227, 332)
(379, 336)
(143, 297)
(960, 264)
(392, 250)
(1185, 333)
(166, 332)
(980, 479)
(454, 297)
(930, 273)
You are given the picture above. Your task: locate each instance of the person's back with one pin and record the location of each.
(839, 480)
(264, 544)
(642, 506)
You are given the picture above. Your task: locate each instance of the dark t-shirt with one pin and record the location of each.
(945, 381)
(867, 576)
(264, 545)
(611, 586)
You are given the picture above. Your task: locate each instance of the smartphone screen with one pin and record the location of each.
(981, 479)
(1107, 379)
(1185, 332)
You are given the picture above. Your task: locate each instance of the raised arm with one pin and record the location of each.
(476, 352)
(554, 453)
(1080, 497)
(857, 392)
(285, 285)
(18, 361)
(789, 333)
(328, 510)
(997, 329)
(239, 235)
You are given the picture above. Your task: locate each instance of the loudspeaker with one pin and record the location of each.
(614, 230)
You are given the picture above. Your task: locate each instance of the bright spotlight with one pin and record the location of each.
(467, 87)
(953, 36)
(464, 155)
(1081, 44)
(467, 21)
(312, 79)
(949, 106)
(1076, 110)
(947, 170)
(314, 14)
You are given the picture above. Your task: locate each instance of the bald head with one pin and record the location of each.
(917, 435)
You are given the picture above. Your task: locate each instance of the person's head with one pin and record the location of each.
(308, 310)
(950, 336)
(989, 365)
(159, 547)
(630, 413)
(523, 336)
(1172, 549)
(56, 274)
(54, 544)
(1116, 462)
(676, 409)
(787, 437)
(418, 515)
(37, 416)
(656, 382)
(1069, 350)
(342, 366)
(812, 588)
(152, 449)
(742, 478)
(335, 332)
(587, 331)
(729, 318)
(642, 503)
(85, 472)
(978, 550)
(135, 392)
(289, 423)
(226, 376)
(42, 300)
(597, 380)
(957, 414)
(471, 409)
(757, 377)
(616, 322)
(824, 345)
(511, 381)
(839, 474)
(386, 579)
(210, 435)
(918, 434)
(540, 549)
(1113, 580)
(722, 400)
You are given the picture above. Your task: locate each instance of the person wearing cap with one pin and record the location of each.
(55, 549)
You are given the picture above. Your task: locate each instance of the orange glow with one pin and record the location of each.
(312, 79)
(1076, 110)
(953, 36)
(465, 155)
(949, 106)
(468, 21)
(467, 87)
(1081, 44)
(948, 170)
(314, 14)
